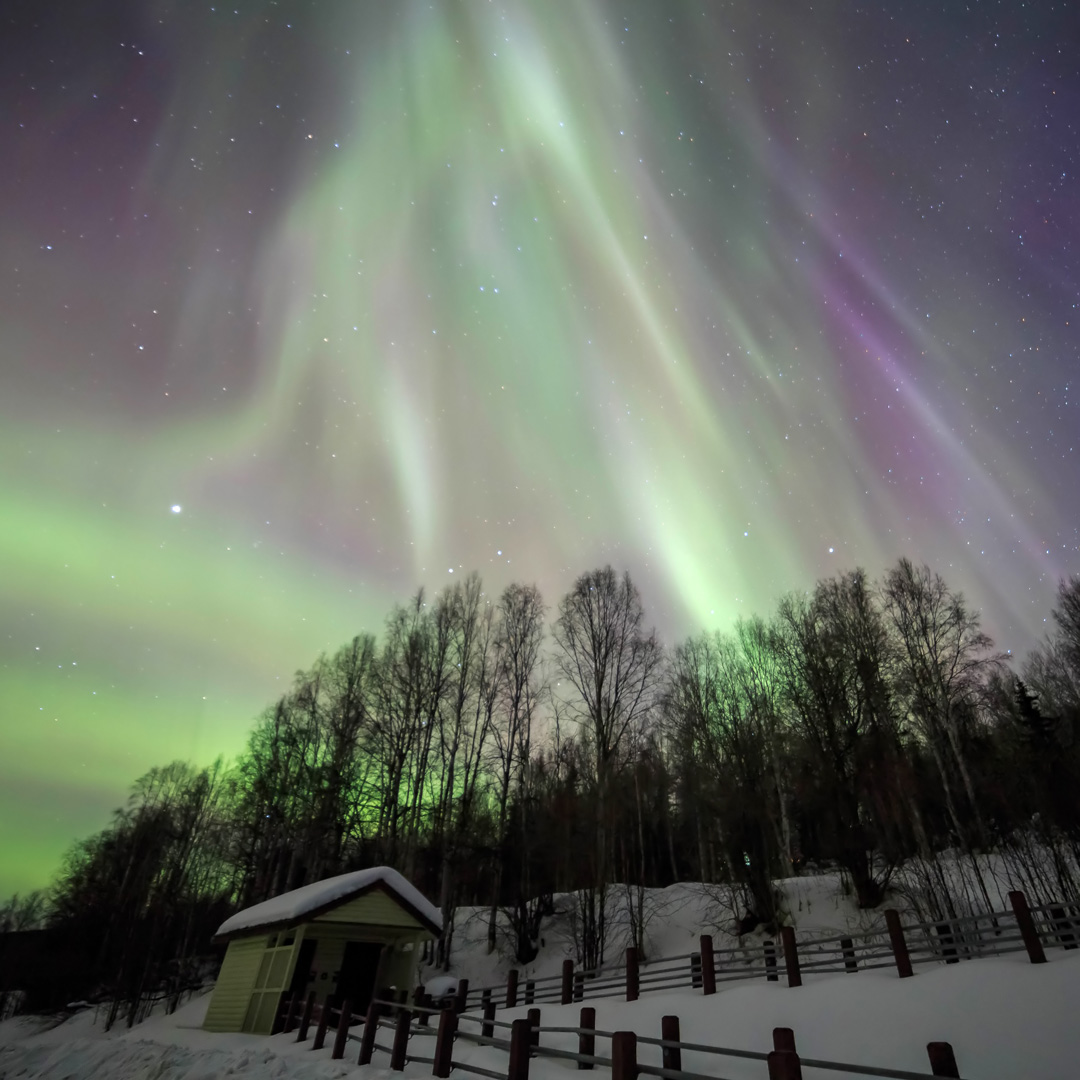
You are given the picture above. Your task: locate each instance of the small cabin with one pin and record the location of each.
(341, 937)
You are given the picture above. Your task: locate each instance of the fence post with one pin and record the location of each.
(632, 974)
(948, 942)
(669, 1032)
(791, 956)
(1027, 928)
(942, 1059)
(444, 1043)
(783, 1062)
(847, 947)
(520, 1049)
(533, 1016)
(783, 1039)
(579, 985)
(586, 1040)
(305, 1017)
(624, 1055)
(530, 991)
(487, 1028)
(324, 1020)
(770, 962)
(462, 997)
(511, 988)
(342, 1031)
(401, 1041)
(899, 945)
(567, 982)
(708, 965)
(367, 1040)
(784, 1065)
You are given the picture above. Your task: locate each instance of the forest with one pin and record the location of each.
(519, 759)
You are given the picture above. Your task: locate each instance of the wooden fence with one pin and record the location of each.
(415, 1039)
(899, 945)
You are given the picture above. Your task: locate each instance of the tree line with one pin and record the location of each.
(513, 758)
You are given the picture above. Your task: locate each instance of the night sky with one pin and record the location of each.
(305, 305)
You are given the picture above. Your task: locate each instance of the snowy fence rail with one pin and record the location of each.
(897, 944)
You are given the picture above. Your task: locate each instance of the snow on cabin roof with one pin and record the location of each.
(321, 895)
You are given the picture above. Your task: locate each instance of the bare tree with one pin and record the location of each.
(519, 636)
(613, 668)
(945, 660)
(833, 656)
(463, 733)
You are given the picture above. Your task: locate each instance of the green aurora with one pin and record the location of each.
(305, 308)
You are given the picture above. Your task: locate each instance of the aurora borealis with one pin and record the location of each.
(304, 305)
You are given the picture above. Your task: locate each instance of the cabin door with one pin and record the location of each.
(359, 969)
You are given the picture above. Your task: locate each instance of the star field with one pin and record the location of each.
(305, 305)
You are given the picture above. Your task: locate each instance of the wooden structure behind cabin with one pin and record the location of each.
(342, 938)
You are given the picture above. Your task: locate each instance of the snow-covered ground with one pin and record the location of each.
(1006, 1018)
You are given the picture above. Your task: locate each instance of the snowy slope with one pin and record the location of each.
(1006, 1019)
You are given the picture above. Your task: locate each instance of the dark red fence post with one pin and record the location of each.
(520, 1050)
(401, 1041)
(444, 1044)
(324, 1020)
(791, 956)
(669, 1032)
(1027, 927)
(942, 1059)
(784, 1065)
(783, 1039)
(567, 982)
(511, 988)
(367, 1040)
(898, 943)
(624, 1055)
(632, 984)
(305, 1018)
(695, 971)
(530, 991)
(487, 1028)
(342, 1031)
(533, 1016)
(784, 1061)
(586, 1040)
(708, 965)
(462, 997)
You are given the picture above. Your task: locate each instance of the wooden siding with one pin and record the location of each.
(375, 908)
(229, 1003)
